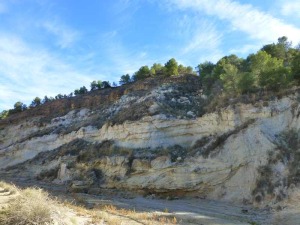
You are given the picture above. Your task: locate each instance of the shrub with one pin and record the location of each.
(31, 206)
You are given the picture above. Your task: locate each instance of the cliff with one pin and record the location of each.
(157, 137)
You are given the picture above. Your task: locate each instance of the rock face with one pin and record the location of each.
(219, 155)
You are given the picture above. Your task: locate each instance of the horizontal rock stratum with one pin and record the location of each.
(156, 137)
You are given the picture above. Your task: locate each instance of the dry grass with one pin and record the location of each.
(111, 215)
(8, 187)
(31, 206)
(147, 218)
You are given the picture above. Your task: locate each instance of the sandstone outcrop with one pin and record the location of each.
(219, 155)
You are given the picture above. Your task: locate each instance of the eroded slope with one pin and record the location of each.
(160, 140)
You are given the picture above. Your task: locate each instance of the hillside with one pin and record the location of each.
(160, 137)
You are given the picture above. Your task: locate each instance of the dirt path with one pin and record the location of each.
(187, 211)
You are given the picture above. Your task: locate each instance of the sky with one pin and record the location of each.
(49, 47)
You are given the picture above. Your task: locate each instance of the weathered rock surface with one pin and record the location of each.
(215, 155)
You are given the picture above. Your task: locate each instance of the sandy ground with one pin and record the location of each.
(187, 211)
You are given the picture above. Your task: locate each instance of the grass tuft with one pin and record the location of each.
(30, 206)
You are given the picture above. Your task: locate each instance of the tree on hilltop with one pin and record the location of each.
(171, 67)
(96, 85)
(36, 102)
(142, 73)
(156, 69)
(205, 69)
(106, 84)
(81, 91)
(125, 79)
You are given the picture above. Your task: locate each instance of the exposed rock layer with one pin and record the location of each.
(216, 155)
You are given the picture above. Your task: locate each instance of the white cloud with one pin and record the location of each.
(65, 35)
(197, 39)
(27, 72)
(203, 37)
(6, 96)
(123, 60)
(257, 24)
(291, 8)
(125, 6)
(245, 49)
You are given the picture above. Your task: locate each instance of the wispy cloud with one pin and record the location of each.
(123, 12)
(65, 35)
(197, 39)
(42, 54)
(291, 8)
(245, 49)
(122, 59)
(243, 17)
(27, 71)
(203, 36)
(122, 6)
(6, 97)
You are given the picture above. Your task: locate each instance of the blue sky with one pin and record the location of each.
(49, 47)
